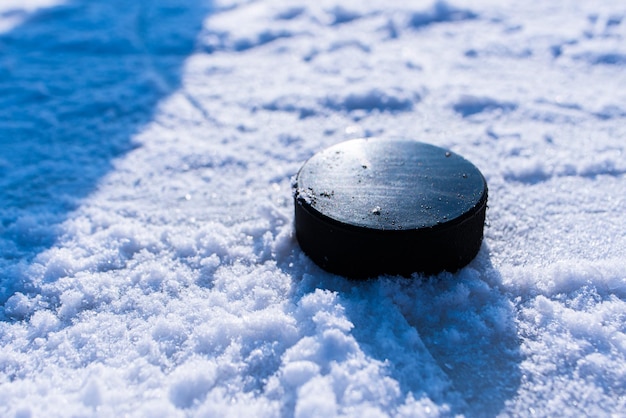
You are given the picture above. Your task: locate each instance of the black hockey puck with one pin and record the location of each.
(376, 206)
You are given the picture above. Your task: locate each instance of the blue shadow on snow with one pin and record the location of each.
(452, 338)
(77, 81)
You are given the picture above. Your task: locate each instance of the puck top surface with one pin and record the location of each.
(385, 184)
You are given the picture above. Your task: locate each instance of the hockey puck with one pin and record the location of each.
(376, 206)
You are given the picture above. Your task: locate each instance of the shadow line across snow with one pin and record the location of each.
(77, 81)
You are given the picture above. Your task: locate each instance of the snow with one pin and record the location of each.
(148, 264)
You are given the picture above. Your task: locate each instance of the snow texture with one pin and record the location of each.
(148, 264)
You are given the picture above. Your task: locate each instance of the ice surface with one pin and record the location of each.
(148, 264)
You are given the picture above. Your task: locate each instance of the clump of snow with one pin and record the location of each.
(373, 99)
(148, 263)
(439, 12)
(468, 105)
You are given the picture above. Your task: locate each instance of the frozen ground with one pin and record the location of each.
(148, 265)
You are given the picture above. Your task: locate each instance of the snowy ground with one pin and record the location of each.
(148, 265)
